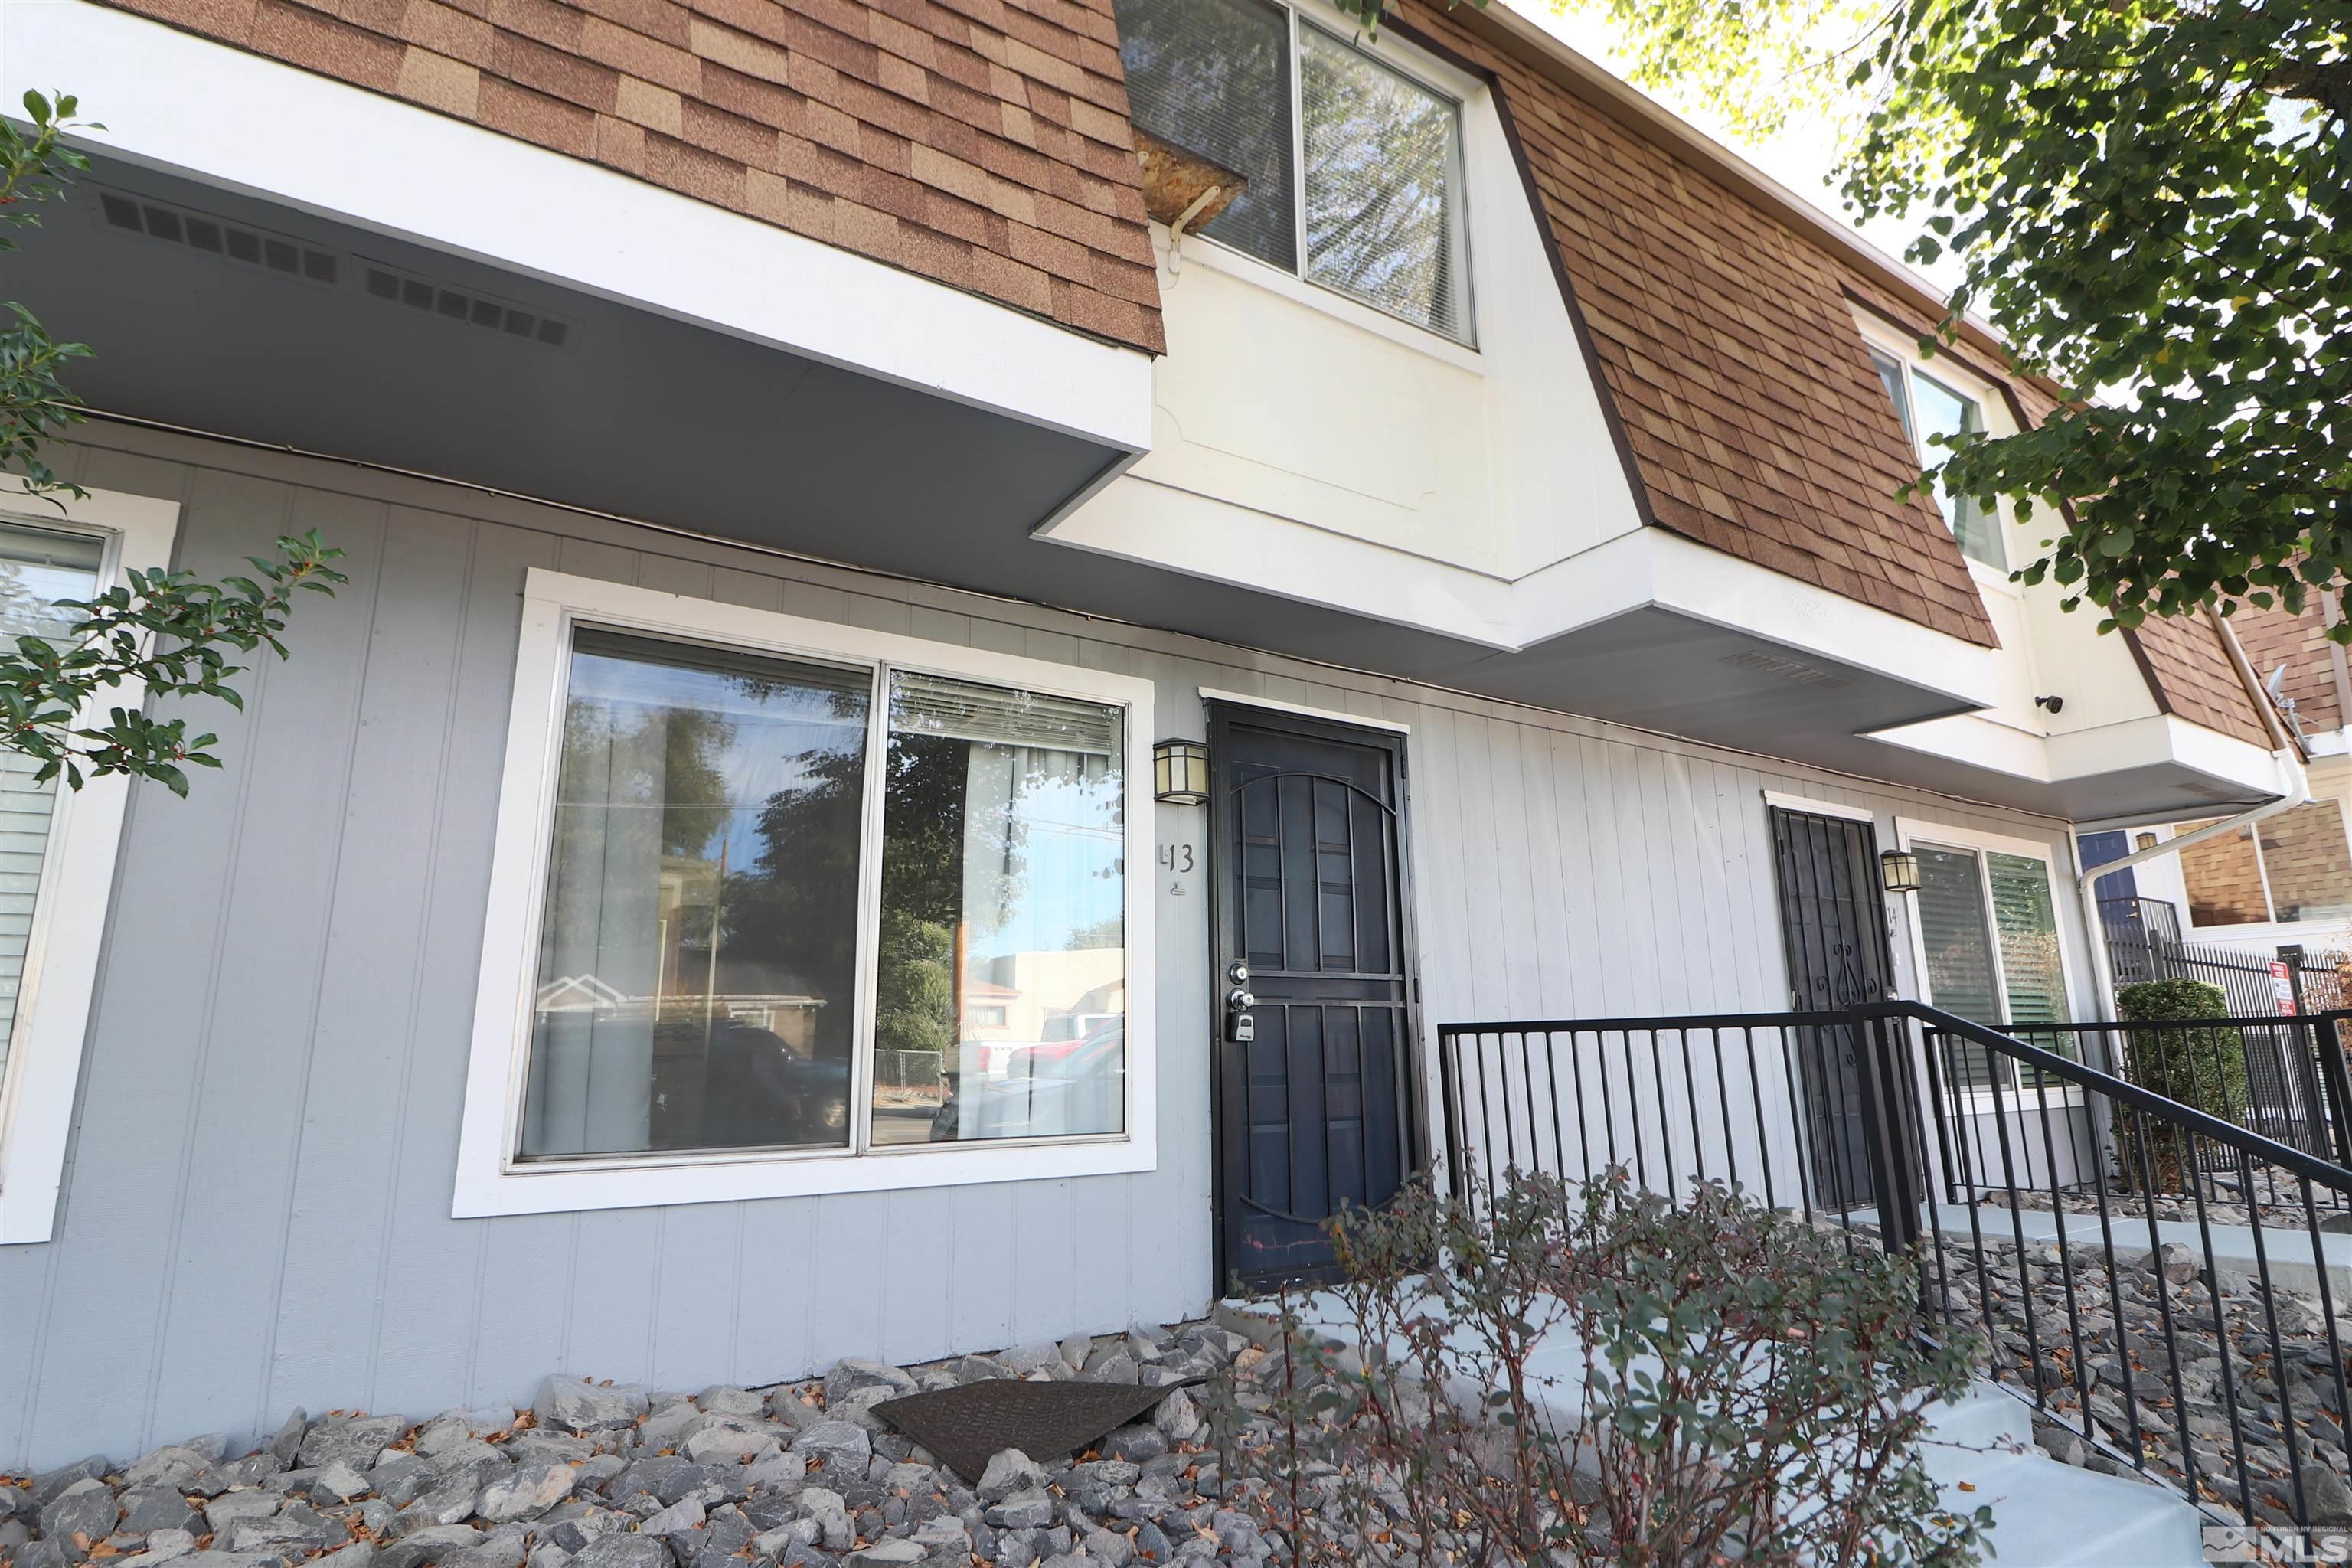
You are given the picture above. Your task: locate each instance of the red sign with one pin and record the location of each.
(2282, 987)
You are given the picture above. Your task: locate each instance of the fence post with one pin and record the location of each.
(1894, 1183)
(2326, 1049)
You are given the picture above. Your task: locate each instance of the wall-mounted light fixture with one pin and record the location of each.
(2145, 841)
(1180, 773)
(1898, 871)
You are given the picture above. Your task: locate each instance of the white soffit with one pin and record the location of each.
(175, 101)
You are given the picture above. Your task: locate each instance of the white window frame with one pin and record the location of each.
(1886, 342)
(1416, 66)
(1911, 833)
(69, 909)
(491, 1179)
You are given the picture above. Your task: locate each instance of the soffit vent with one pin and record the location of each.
(396, 286)
(218, 237)
(282, 254)
(1786, 669)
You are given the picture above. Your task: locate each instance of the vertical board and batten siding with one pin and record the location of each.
(256, 1204)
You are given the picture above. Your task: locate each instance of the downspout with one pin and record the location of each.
(2294, 789)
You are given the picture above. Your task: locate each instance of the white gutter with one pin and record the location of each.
(2294, 789)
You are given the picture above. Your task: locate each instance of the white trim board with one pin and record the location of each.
(490, 1181)
(1820, 807)
(61, 952)
(1335, 715)
(220, 115)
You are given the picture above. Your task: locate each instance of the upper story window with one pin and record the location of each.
(1355, 168)
(1929, 408)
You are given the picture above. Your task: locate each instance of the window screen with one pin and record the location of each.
(1213, 77)
(1382, 160)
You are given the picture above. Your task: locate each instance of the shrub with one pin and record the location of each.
(1756, 1390)
(2202, 1067)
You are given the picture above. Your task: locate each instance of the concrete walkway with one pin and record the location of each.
(2292, 1260)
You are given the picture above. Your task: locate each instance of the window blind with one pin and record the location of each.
(1001, 715)
(37, 568)
(2028, 927)
(1382, 163)
(1953, 928)
(1213, 77)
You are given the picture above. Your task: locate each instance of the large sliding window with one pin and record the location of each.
(1989, 938)
(806, 893)
(1354, 164)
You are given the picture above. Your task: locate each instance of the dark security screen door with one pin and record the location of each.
(1313, 1113)
(1833, 925)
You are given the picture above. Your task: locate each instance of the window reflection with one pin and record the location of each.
(1001, 982)
(696, 984)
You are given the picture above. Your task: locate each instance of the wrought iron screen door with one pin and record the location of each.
(1834, 927)
(1315, 1111)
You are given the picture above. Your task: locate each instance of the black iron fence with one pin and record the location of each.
(2144, 942)
(2153, 1276)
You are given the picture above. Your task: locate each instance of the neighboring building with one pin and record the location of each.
(2288, 879)
(790, 485)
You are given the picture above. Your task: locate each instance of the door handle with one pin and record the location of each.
(1241, 1025)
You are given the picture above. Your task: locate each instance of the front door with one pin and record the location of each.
(1314, 1102)
(1833, 925)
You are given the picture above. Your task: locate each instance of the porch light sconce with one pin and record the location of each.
(1180, 773)
(2145, 841)
(1899, 870)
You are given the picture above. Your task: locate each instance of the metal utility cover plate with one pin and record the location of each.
(968, 1425)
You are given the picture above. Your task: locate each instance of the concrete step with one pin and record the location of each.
(2046, 1514)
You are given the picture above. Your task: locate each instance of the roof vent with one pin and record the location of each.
(1786, 669)
(400, 288)
(218, 237)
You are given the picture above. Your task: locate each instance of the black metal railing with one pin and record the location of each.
(2144, 942)
(2154, 1276)
(2281, 1075)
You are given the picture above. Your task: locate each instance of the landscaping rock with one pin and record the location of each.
(576, 1404)
(833, 1442)
(531, 1491)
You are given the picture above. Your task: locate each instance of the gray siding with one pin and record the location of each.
(257, 1207)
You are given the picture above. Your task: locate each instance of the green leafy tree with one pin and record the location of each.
(34, 169)
(166, 632)
(2151, 200)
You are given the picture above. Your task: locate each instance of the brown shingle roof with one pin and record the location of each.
(2193, 677)
(1754, 420)
(983, 144)
(2271, 637)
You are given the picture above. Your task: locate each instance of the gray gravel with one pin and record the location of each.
(598, 1475)
(2155, 1344)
